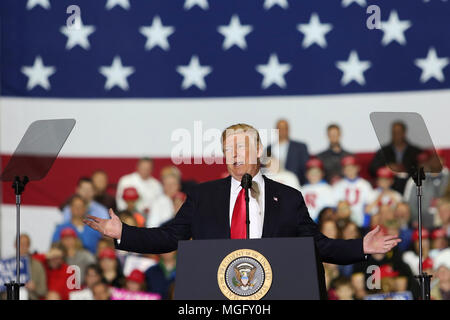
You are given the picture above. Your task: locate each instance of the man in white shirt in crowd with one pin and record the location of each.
(149, 188)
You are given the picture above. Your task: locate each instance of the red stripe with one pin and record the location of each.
(61, 181)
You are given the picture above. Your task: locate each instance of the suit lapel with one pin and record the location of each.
(271, 208)
(223, 208)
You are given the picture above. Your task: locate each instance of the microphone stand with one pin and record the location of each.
(246, 183)
(424, 279)
(13, 287)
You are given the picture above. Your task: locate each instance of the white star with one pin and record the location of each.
(314, 31)
(125, 4)
(346, 3)
(194, 74)
(432, 66)
(353, 69)
(188, 4)
(270, 3)
(234, 33)
(77, 35)
(273, 72)
(394, 29)
(116, 74)
(38, 74)
(43, 3)
(157, 34)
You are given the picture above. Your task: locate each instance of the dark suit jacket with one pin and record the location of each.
(296, 159)
(206, 215)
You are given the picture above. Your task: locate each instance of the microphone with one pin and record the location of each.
(246, 183)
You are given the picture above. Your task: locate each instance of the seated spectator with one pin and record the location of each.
(162, 209)
(396, 268)
(399, 155)
(131, 197)
(85, 190)
(355, 190)
(343, 288)
(100, 181)
(101, 291)
(439, 241)
(37, 285)
(348, 231)
(275, 172)
(331, 158)
(329, 229)
(92, 276)
(172, 186)
(160, 276)
(402, 214)
(111, 269)
(325, 214)
(331, 273)
(441, 290)
(383, 194)
(57, 274)
(53, 295)
(292, 155)
(343, 213)
(135, 282)
(148, 188)
(433, 187)
(317, 193)
(75, 254)
(444, 214)
(411, 257)
(359, 285)
(88, 236)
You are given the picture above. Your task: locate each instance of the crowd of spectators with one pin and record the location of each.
(343, 204)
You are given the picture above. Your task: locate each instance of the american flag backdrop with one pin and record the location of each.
(133, 71)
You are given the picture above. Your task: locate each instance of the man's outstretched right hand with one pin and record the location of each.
(109, 227)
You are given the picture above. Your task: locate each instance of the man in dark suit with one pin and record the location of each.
(216, 210)
(399, 155)
(292, 155)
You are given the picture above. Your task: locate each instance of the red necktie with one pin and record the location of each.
(238, 227)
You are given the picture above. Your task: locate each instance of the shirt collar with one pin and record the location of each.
(236, 185)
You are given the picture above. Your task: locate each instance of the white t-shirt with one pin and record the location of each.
(149, 190)
(317, 196)
(357, 193)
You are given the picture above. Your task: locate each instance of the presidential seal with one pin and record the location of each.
(244, 274)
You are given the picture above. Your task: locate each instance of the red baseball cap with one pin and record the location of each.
(314, 163)
(136, 276)
(425, 234)
(348, 160)
(107, 253)
(386, 271)
(385, 172)
(427, 264)
(130, 193)
(68, 232)
(438, 233)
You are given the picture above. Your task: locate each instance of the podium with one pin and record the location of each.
(267, 268)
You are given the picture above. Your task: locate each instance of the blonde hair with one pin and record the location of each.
(240, 128)
(170, 171)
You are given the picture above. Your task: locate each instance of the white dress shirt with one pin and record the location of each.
(256, 206)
